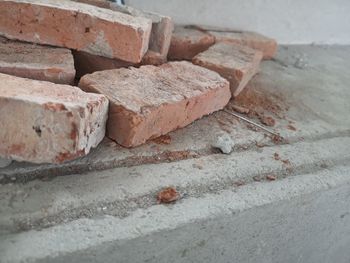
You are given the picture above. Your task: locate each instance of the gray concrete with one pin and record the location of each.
(248, 206)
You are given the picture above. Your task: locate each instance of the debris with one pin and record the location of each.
(150, 101)
(267, 46)
(257, 178)
(271, 177)
(267, 120)
(164, 139)
(188, 42)
(168, 195)
(240, 109)
(94, 29)
(36, 62)
(224, 143)
(291, 127)
(276, 156)
(238, 64)
(239, 183)
(71, 121)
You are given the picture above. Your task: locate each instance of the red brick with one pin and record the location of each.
(36, 62)
(77, 26)
(43, 122)
(188, 42)
(162, 28)
(251, 39)
(236, 63)
(150, 101)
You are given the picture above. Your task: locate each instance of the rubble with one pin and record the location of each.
(42, 122)
(236, 63)
(187, 42)
(151, 101)
(224, 143)
(97, 31)
(266, 45)
(36, 62)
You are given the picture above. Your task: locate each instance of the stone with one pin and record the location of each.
(150, 101)
(236, 63)
(251, 39)
(187, 42)
(43, 122)
(76, 26)
(162, 28)
(36, 61)
(224, 143)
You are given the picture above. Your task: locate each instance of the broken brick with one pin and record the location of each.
(168, 195)
(188, 42)
(162, 28)
(36, 62)
(266, 45)
(236, 63)
(43, 122)
(150, 101)
(96, 30)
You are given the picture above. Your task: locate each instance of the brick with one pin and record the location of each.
(251, 39)
(76, 26)
(162, 28)
(188, 42)
(43, 122)
(150, 101)
(36, 62)
(236, 63)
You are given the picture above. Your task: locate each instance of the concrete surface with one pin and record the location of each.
(265, 202)
(289, 21)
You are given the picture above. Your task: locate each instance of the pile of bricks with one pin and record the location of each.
(73, 71)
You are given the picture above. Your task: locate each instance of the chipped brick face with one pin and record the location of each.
(150, 101)
(36, 62)
(96, 30)
(42, 122)
(236, 63)
(267, 46)
(188, 42)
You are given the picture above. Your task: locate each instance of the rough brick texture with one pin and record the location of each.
(236, 63)
(36, 62)
(42, 122)
(77, 26)
(162, 28)
(188, 42)
(150, 101)
(254, 40)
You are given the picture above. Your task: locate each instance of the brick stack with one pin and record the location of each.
(127, 89)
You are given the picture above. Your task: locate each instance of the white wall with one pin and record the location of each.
(289, 21)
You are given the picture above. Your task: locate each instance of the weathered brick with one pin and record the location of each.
(187, 42)
(236, 63)
(77, 26)
(162, 28)
(43, 122)
(251, 39)
(150, 101)
(36, 61)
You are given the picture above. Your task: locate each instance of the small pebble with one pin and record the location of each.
(224, 143)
